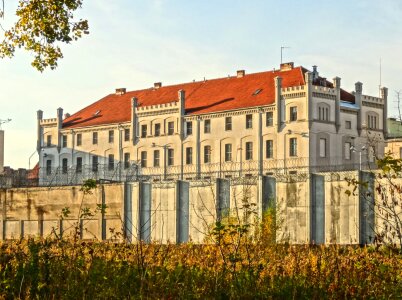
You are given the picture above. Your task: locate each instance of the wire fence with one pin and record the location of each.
(121, 172)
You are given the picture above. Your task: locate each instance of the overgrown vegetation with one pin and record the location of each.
(60, 269)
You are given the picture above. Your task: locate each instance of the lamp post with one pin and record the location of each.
(360, 151)
(165, 147)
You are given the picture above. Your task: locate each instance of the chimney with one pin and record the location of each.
(287, 66)
(157, 85)
(66, 115)
(241, 73)
(315, 73)
(120, 91)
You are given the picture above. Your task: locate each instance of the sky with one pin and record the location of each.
(133, 44)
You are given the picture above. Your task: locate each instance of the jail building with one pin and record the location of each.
(283, 121)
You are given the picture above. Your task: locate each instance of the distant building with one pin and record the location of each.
(394, 137)
(280, 121)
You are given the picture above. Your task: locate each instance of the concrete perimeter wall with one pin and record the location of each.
(311, 209)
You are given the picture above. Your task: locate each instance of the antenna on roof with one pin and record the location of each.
(283, 47)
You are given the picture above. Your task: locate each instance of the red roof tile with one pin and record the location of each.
(201, 97)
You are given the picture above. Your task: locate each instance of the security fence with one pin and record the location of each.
(129, 172)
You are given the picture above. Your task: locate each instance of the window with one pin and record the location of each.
(156, 158)
(207, 154)
(143, 131)
(170, 128)
(292, 147)
(293, 113)
(79, 165)
(228, 123)
(269, 149)
(170, 161)
(269, 118)
(189, 128)
(94, 163)
(228, 152)
(79, 139)
(347, 150)
(157, 129)
(249, 121)
(189, 155)
(126, 160)
(48, 167)
(94, 138)
(249, 150)
(48, 140)
(323, 113)
(372, 122)
(111, 136)
(348, 124)
(111, 162)
(207, 126)
(64, 165)
(64, 141)
(144, 159)
(126, 134)
(323, 147)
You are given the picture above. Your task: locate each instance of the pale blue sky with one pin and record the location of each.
(133, 44)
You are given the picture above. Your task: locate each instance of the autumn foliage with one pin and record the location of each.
(60, 269)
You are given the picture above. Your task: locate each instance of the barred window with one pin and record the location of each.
(293, 147)
(111, 162)
(126, 134)
(269, 119)
(79, 165)
(144, 159)
(228, 152)
(64, 166)
(207, 154)
(249, 150)
(189, 155)
(111, 136)
(269, 149)
(64, 141)
(126, 160)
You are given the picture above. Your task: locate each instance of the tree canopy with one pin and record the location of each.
(42, 26)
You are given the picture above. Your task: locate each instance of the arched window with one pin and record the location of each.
(323, 112)
(372, 120)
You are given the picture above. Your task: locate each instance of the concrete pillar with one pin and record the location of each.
(384, 97)
(144, 226)
(182, 211)
(358, 102)
(268, 193)
(337, 86)
(128, 211)
(182, 102)
(223, 198)
(366, 208)
(317, 208)
(279, 104)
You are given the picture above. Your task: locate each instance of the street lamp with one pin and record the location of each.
(165, 147)
(354, 149)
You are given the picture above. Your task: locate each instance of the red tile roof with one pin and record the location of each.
(201, 97)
